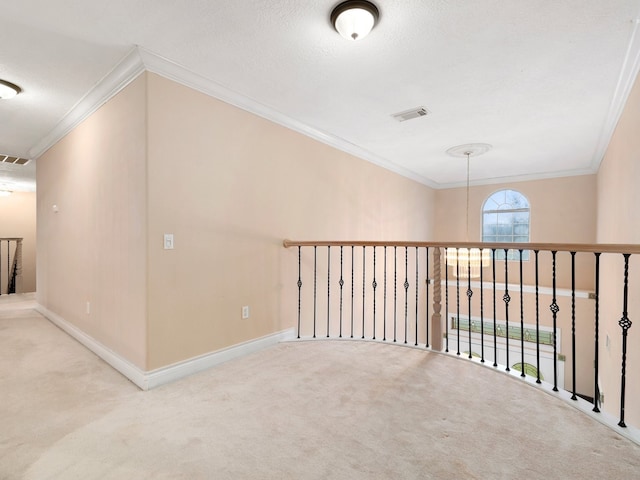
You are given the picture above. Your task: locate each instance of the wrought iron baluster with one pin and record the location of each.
(495, 335)
(573, 324)
(537, 323)
(374, 284)
(596, 393)
(446, 300)
(341, 283)
(352, 286)
(481, 311)
(406, 292)
(458, 298)
(328, 286)
(427, 304)
(417, 284)
(522, 374)
(384, 316)
(469, 295)
(395, 292)
(364, 248)
(554, 310)
(315, 287)
(506, 298)
(625, 324)
(299, 286)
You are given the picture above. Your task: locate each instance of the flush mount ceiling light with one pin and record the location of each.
(354, 19)
(8, 90)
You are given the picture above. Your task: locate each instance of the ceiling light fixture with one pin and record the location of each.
(5, 193)
(354, 19)
(8, 90)
(467, 262)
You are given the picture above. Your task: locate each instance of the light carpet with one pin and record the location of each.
(300, 410)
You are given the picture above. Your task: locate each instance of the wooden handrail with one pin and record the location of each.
(559, 247)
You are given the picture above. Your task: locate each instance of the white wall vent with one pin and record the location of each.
(13, 160)
(411, 114)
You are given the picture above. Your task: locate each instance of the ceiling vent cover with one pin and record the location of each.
(411, 114)
(13, 160)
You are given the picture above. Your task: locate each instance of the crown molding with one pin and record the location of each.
(118, 78)
(166, 68)
(626, 80)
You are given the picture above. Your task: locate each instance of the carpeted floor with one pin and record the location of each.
(302, 410)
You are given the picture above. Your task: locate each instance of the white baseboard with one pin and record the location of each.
(147, 380)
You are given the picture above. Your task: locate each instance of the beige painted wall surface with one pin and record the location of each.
(562, 211)
(619, 222)
(94, 248)
(231, 186)
(18, 214)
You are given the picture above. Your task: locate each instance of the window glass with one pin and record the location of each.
(505, 219)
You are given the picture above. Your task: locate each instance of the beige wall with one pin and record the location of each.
(94, 248)
(619, 222)
(231, 186)
(18, 214)
(562, 211)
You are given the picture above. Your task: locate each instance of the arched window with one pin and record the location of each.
(505, 218)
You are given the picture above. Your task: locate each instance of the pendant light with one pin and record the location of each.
(467, 262)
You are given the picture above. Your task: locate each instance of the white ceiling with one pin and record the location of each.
(542, 81)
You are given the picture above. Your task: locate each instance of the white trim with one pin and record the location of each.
(127, 70)
(162, 66)
(188, 367)
(126, 368)
(147, 380)
(626, 80)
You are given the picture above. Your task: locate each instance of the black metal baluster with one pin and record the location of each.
(481, 310)
(384, 317)
(427, 304)
(596, 393)
(363, 285)
(625, 324)
(374, 284)
(469, 295)
(522, 374)
(458, 298)
(341, 283)
(315, 287)
(554, 310)
(573, 324)
(417, 285)
(352, 286)
(328, 286)
(395, 292)
(506, 298)
(537, 323)
(406, 292)
(495, 335)
(299, 286)
(446, 300)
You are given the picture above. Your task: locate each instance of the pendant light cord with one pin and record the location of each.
(468, 154)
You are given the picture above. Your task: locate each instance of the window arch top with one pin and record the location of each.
(505, 219)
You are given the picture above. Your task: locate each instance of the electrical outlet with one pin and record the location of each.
(245, 312)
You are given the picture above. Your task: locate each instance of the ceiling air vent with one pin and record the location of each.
(411, 114)
(13, 160)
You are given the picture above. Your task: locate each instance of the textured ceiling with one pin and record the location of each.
(543, 82)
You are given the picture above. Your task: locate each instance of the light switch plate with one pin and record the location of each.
(168, 241)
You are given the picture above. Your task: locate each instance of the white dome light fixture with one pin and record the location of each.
(8, 90)
(354, 19)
